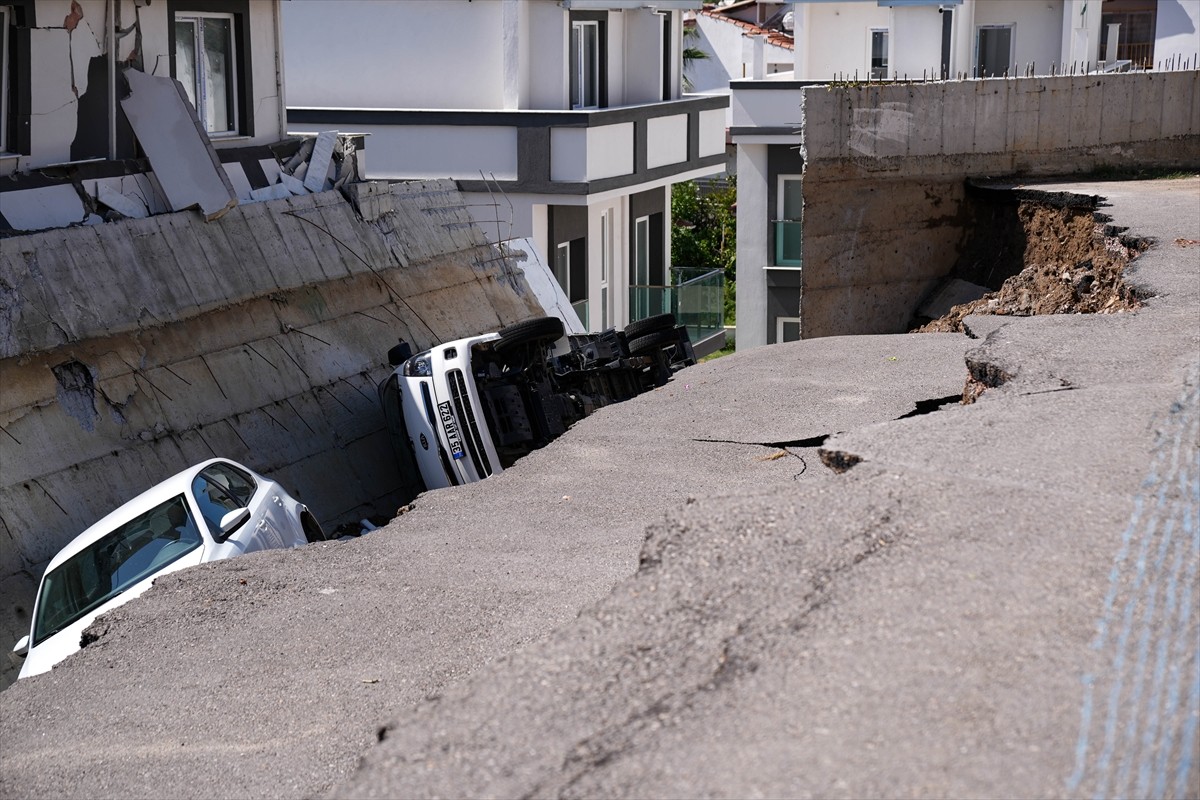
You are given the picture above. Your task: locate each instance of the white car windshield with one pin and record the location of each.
(109, 566)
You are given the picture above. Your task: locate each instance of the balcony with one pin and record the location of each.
(536, 152)
(697, 299)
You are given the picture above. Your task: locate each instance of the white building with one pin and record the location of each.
(860, 40)
(563, 121)
(64, 135)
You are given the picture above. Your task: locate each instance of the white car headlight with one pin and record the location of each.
(418, 366)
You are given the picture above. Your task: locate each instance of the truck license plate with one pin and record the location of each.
(451, 427)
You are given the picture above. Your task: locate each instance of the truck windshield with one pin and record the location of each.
(109, 566)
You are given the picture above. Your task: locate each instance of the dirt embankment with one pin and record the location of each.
(1045, 258)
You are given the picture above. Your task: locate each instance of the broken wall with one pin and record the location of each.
(886, 165)
(60, 82)
(133, 349)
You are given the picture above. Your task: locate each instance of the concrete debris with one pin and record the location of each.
(321, 161)
(318, 166)
(179, 150)
(292, 184)
(131, 207)
(45, 206)
(278, 191)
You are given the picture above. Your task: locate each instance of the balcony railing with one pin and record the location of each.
(697, 299)
(789, 245)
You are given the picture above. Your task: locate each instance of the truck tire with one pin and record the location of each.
(539, 330)
(644, 345)
(654, 324)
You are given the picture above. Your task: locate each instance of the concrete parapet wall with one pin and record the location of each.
(133, 349)
(885, 167)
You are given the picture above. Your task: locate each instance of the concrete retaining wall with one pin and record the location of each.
(885, 169)
(130, 350)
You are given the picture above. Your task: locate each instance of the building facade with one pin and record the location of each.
(563, 121)
(65, 134)
(854, 42)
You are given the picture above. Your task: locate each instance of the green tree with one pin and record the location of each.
(691, 53)
(704, 232)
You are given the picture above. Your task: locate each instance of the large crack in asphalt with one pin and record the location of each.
(836, 460)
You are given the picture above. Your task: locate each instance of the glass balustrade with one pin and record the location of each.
(696, 298)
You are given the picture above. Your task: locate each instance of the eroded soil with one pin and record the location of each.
(1070, 261)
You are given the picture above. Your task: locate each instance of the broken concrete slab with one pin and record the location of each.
(141, 186)
(130, 207)
(49, 206)
(179, 150)
(321, 161)
(276, 191)
(292, 184)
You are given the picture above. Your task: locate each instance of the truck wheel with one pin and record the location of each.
(539, 330)
(644, 327)
(644, 345)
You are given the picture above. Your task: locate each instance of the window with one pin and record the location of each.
(879, 53)
(570, 270)
(606, 251)
(107, 567)
(562, 266)
(641, 268)
(1135, 37)
(220, 489)
(585, 66)
(210, 58)
(994, 51)
(5, 20)
(788, 227)
(204, 64)
(588, 64)
(787, 329)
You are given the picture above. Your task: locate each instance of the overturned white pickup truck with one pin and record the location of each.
(467, 409)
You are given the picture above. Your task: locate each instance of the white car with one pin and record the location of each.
(213, 510)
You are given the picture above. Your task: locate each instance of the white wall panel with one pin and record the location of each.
(666, 140)
(397, 55)
(568, 154)
(441, 151)
(610, 151)
(712, 132)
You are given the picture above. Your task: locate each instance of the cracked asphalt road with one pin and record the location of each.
(995, 600)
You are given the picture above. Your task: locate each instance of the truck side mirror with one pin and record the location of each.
(400, 353)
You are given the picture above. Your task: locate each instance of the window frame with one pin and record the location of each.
(887, 43)
(16, 60)
(7, 17)
(1011, 27)
(562, 264)
(782, 181)
(780, 323)
(606, 259)
(579, 21)
(231, 494)
(241, 84)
